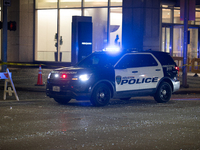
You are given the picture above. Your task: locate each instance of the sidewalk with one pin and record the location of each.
(26, 79)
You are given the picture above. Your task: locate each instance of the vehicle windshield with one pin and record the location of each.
(98, 60)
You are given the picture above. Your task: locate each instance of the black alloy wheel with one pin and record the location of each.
(101, 95)
(163, 93)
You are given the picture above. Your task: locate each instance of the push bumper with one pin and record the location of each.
(73, 92)
(68, 94)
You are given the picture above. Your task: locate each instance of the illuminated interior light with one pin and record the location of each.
(94, 0)
(164, 5)
(51, 1)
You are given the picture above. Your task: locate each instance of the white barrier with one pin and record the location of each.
(7, 76)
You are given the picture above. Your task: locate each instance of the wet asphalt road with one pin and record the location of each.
(37, 122)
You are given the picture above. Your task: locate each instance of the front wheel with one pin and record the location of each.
(62, 100)
(101, 95)
(163, 93)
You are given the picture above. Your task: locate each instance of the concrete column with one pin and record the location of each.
(141, 27)
(26, 30)
(20, 42)
(13, 36)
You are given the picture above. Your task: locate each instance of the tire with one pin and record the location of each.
(101, 95)
(125, 99)
(62, 100)
(163, 93)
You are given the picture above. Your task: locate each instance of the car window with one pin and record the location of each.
(136, 60)
(164, 58)
(147, 60)
(98, 60)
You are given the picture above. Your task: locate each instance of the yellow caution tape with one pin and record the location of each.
(26, 64)
(19, 64)
(190, 65)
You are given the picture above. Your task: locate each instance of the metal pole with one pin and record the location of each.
(184, 76)
(82, 10)
(171, 33)
(108, 24)
(58, 32)
(4, 39)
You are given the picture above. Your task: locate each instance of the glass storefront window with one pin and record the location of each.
(65, 31)
(69, 3)
(178, 37)
(178, 42)
(115, 26)
(166, 39)
(99, 20)
(115, 2)
(166, 16)
(177, 17)
(42, 4)
(95, 3)
(46, 27)
(197, 18)
(192, 46)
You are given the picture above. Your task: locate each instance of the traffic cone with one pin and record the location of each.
(39, 81)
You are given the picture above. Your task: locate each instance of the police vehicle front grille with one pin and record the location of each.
(59, 77)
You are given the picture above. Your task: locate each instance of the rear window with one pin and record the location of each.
(164, 58)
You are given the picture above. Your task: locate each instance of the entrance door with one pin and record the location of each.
(178, 42)
(193, 43)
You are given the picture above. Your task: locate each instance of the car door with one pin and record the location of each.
(150, 71)
(127, 73)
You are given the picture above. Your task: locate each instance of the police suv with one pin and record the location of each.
(105, 75)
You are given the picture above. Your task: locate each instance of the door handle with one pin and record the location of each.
(134, 71)
(157, 69)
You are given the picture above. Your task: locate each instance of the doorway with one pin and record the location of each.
(173, 41)
(178, 42)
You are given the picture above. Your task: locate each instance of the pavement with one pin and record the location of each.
(25, 79)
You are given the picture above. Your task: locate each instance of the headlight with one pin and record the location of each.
(85, 77)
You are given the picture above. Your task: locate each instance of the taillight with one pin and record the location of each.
(177, 68)
(64, 76)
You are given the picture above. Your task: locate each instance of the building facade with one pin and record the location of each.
(141, 24)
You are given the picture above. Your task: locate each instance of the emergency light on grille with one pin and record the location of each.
(63, 76)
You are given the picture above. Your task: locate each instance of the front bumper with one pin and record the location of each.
(73, 90)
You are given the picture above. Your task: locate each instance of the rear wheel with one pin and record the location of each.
(62, 100)
(163, 93)
(101, 95)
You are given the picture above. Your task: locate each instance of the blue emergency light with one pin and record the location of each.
(114, 49)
